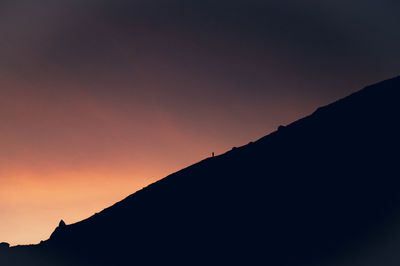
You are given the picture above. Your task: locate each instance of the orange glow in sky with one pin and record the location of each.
(69, 155)
(101, 98)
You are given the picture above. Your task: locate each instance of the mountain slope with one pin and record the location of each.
(323, 187)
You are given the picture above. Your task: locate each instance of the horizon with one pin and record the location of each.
(82, 216)
(99, 100)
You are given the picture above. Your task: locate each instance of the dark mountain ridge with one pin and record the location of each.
(323, 187)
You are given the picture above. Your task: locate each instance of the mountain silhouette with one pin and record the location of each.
(322, 188)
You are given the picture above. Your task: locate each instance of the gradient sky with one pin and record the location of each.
(100, 98)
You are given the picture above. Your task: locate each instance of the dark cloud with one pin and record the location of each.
(215, 53)
(183, 57)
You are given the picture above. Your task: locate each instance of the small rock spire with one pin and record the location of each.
(62, 224)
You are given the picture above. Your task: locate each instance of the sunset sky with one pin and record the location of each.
(100, 98)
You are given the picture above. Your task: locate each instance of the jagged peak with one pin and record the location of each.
(62, 224)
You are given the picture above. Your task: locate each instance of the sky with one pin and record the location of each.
(101, 98)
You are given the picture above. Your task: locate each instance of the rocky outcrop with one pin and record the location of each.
(60, 228)
(4, 245)
(62, 224)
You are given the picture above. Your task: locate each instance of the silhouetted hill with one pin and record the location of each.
(322, 188)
